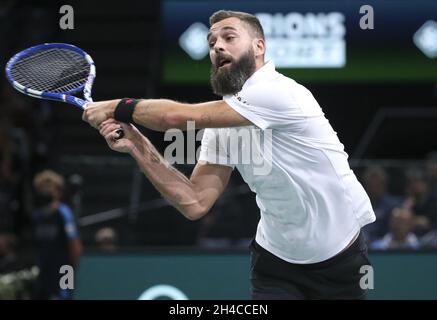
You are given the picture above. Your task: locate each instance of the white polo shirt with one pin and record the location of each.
(311, 202)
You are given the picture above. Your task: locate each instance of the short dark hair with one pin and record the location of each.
(247, 18)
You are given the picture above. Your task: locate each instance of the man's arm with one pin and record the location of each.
(162, 114)
(74, 243)
(75, 248)
(193, 197)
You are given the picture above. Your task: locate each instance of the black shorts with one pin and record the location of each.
(336, 278)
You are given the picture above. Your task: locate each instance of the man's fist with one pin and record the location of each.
(130, 139)
(97, 112)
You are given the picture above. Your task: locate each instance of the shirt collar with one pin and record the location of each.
(262, 74)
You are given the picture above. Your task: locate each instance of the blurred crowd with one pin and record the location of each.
(34, 229)
(407, 220)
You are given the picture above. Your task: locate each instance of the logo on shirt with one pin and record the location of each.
(240, 98)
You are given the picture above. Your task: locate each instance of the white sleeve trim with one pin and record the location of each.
(215, 159)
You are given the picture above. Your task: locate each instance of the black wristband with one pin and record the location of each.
(125, 109)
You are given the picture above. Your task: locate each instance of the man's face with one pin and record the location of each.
(232, 55)
(400, 223)
(49, 188)
(375, 185)
(47, 195)
(416, 186)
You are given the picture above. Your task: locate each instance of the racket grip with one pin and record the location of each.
(120, 134)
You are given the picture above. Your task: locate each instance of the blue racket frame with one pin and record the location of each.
(62, 96)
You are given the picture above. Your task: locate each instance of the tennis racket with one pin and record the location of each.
(54, 71)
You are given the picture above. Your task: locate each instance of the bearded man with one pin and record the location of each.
(308, 243)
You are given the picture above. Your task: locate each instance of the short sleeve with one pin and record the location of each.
(69, 223)
(213, 147)
(274, 104)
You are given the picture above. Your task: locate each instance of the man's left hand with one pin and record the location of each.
(97, 112)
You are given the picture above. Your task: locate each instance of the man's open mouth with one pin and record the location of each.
(224, 62)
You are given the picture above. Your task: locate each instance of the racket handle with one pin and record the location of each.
(120, 134)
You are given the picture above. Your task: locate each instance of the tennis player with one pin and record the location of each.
(308, 243)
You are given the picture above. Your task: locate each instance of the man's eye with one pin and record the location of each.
(211, 44)
(230, 38)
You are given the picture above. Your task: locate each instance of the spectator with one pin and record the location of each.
(400, 235)
(9, 180)
(431, 172)
(429, 240)
(56, 235)
(8, 257)
(106, 239)
(421, 202)
(375, 182)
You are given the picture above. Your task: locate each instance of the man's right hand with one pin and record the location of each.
(131, 139)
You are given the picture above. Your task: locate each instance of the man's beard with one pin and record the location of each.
(230, 79)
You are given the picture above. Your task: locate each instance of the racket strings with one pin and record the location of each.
(54, 70)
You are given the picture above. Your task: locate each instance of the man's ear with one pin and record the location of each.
(259, 46)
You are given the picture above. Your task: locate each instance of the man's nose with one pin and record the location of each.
(219, 46)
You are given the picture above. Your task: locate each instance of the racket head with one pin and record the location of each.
(52, 71)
